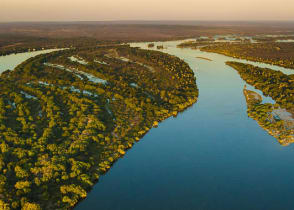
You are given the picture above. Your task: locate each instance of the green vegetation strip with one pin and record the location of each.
(277, 119)
(275, 53)
(64, 122)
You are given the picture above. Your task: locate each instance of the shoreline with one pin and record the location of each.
(203, 58)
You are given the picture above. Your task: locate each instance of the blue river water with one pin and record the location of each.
(212, 156)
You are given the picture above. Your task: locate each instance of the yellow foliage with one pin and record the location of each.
(31, 206)
(22, 184)
(4, 206)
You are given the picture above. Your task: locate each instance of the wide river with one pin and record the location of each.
(212, 156)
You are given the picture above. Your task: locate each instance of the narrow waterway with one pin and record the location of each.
(212, 156)
(9, 62)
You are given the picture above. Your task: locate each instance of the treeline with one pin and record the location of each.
(275, 84)
(64, 122)
(16, 44)
(272, 38)
(266, 116)
(275, 53)
(280, 87)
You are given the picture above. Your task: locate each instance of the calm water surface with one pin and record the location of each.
(212, 156)
(11, 61)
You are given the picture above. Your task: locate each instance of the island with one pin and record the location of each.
(270, 50)
(204, 58)
(277, 119)
(159, 47)
(275, 53)
(67, 116)
(151, 45)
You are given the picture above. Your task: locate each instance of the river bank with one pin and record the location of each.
(212, 156)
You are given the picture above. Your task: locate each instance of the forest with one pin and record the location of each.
(275, 53)
(12, 44)
(278, 118)
(272, 38)
(265, 49)
(67, 116)
(270, 117)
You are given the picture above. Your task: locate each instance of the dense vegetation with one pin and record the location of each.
(276, 121)
(16, 44)
(272, 83)
(67, 116)
(272, 38)
(151, 45)
(277, 118)
(274, 53)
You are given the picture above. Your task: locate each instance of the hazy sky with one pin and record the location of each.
(67, 10)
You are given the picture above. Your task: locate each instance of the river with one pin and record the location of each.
(212, 156)
(12, 60)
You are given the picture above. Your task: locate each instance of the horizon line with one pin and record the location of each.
(137, 20)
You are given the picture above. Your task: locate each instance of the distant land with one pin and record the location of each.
(141, 30)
